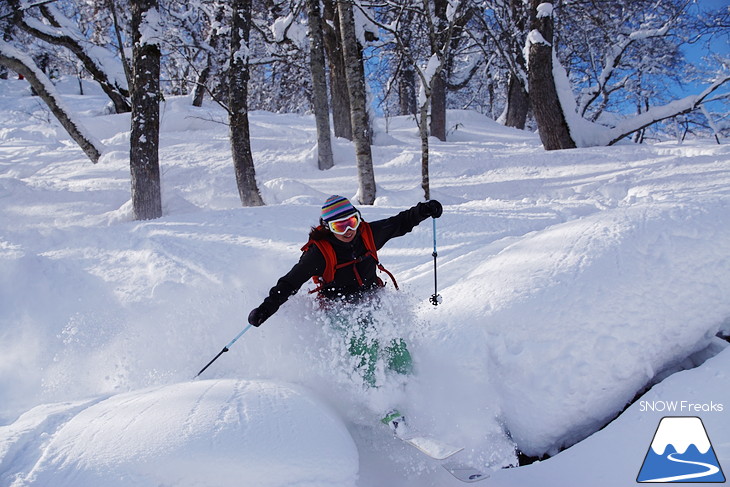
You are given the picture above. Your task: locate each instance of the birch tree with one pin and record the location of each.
(355, 75)
(325, 159)
(238, 105)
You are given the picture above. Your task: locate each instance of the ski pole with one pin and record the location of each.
(225, 349)
(435, 297)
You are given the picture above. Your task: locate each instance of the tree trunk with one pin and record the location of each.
(440, 45)
(518, 103)
(238, 105)
(203, 77)
(339, 95)
(358, 103)
(325, 159)
(407, 90)
(145, 135)
(423, 132)
(551, 122)
(210, 64)
(24, 65)
(518, 99)
(438, 106)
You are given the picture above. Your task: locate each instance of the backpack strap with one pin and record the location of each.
(369, 241)
(330, 263)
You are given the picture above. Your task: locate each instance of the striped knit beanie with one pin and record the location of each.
(336, 207)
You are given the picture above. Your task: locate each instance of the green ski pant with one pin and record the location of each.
(368, 350)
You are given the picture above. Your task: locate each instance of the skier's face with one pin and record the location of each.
(346, 237)
(344, 229)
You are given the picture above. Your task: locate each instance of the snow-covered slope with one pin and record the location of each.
(570, 281)
(214, 432)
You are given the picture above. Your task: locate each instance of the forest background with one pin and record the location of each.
(581, 73)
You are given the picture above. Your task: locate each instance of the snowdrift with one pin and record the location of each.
(584, 314)
(214, 432)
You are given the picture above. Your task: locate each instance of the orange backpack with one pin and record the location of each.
(330, 259)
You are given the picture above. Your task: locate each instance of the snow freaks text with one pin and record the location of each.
(680, 407)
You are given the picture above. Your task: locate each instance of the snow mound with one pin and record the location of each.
(579, 317)
(188, 434)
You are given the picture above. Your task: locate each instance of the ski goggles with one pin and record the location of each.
(342, 225)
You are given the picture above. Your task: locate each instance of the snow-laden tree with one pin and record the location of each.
(638, 45)
(620, 50)
(21, 63)
(280, 71)
(47, 22)
(190, 28)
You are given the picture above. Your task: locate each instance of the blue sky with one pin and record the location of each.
(719, 45)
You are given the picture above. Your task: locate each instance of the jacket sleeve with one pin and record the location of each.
(311, 263)
(398, 225)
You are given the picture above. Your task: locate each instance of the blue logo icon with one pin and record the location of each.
(681, 452)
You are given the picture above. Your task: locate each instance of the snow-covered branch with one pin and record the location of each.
(103, 65)
(23, 8)
(23, 64)
(657, 114)
(613, 58)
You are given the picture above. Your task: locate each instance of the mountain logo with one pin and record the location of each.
(680, 452)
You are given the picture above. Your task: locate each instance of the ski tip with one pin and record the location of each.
(465, 473)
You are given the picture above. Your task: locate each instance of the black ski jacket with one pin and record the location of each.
(344, 285)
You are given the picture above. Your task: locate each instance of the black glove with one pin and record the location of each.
(258, 315)
(430, 208)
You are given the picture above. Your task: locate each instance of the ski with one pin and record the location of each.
(441, 451)
(431, 447)
(464, 472)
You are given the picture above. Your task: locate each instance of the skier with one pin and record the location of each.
(341, 258)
